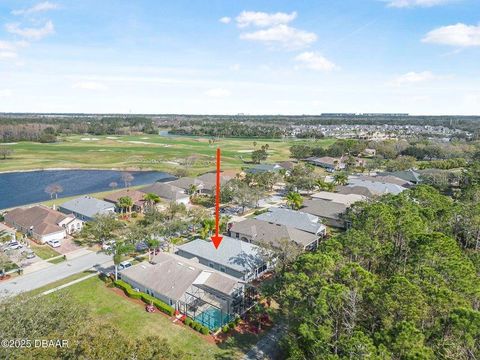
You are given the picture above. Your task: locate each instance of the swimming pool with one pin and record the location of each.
(212, 318)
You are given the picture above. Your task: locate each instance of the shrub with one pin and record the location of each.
(188, 321)
(231, 325)
(237, 320)
(225, 328)
(204, 330)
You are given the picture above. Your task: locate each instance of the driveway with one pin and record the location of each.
(54, 273)
(68, 245)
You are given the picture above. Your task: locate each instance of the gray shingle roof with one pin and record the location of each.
(235, 254)
(262, 231)
(186, 182)
(323, 208)
(172, 275)
(377, 187)
(292, 218)
(165, 191)
(87, 206)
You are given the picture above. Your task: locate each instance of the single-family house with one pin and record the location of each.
(261, 168)
(188, 185)
(412, 176)
(291, 218)
(206, 295)
(369, 152)
(329, 211)
(209, 181)
(43, 223)
(328, 163)
(355, 190)
(263, 232)
(234, 257)
(390, 179)
(346, 199)
(86, 207)
(136, 196)
(376, 187)
(167, 192)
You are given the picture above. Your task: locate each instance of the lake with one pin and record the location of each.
(21, 188)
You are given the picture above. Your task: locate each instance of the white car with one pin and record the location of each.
(108, 245)
(54, 243)
(124, 265)
(14, 245)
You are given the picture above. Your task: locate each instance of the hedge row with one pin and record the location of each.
(147, 299)
(196, 326)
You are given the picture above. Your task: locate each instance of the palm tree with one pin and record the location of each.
(294, 200)
(151, 199)
(325, 186)
(118, 250)
(340, 179)
(126, 203)
(113, 185)
(208, 226)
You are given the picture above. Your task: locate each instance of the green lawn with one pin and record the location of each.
(132, 318)
(44, 252)
(59, 282)
(141, 152)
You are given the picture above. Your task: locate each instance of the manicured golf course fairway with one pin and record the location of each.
(142, 152)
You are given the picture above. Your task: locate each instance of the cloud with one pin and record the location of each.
(218, 93)
(89, 85)
(262, 19)
(417, 3)
(6, 55)
(235, 67)
(455, 35)
(5, 93)
(225, 20)
(31, 33)
(40, 7)
(283, 35)
(314, 61)
(414, 78)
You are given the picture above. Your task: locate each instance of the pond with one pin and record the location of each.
(21, 188)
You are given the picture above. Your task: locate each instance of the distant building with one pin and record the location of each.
(136, 196)
(377, 187)
(345, 199)
(233, 257)
(167, 192)
(263, 232)
(187, 183)
(209, 181)
(86, 208)
(262, 168)
(328, 163)
(295, 219)
(42, 223)
(369, 152)
(329, 211)
(411, 176)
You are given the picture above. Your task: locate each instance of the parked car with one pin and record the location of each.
(124, 265)
(54, 243)
(13, 245)
(108, 245)
(29, 254)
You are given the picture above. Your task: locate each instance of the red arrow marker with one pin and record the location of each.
(217, 239)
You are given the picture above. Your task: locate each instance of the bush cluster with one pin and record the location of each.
(197, 326)
(147, 299)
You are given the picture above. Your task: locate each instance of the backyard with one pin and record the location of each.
(130, 317)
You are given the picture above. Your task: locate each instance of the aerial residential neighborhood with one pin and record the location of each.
(244, 180)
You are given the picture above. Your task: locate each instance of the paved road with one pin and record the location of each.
(54, 273)
(267, 347)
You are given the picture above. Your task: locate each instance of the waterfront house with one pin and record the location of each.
(86, 207)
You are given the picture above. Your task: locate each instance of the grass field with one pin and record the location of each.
(153, 152)
(132, 319)
(44, 252)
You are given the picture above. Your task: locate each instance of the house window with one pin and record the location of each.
(222, 269)
(212, 265)
(237, 235)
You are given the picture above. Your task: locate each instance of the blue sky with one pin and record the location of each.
(229, 57)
